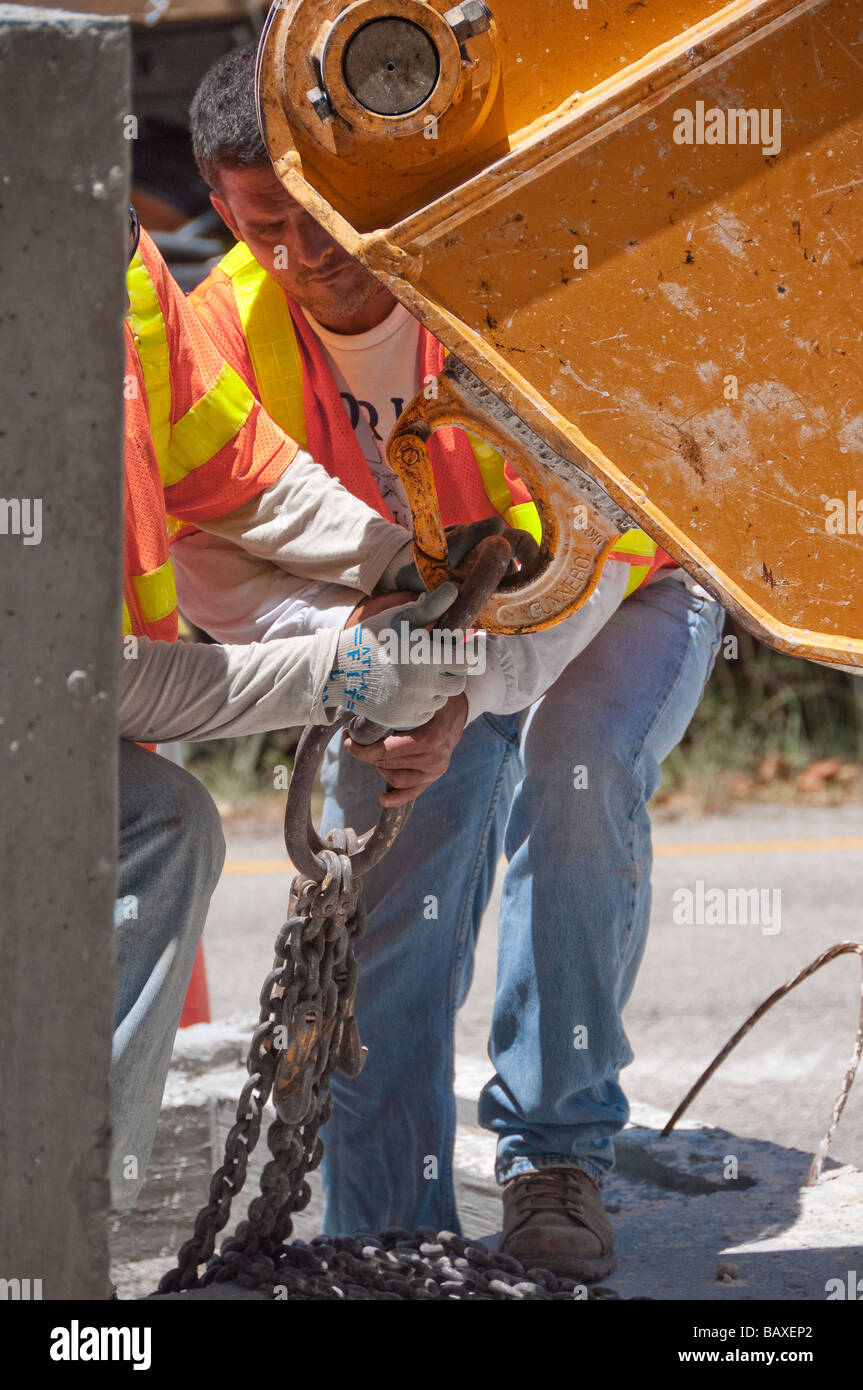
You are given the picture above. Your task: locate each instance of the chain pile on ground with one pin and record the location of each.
(396, 1266)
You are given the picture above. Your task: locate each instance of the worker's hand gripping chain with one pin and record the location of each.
(306, 1027)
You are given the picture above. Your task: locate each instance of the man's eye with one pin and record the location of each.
(269, 231)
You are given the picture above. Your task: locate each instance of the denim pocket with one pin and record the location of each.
(715, 645)
(507, 726)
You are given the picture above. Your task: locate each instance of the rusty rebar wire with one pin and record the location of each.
(840, 949)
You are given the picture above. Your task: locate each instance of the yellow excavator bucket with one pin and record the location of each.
(638, 226)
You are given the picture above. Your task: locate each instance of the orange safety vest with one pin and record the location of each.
(197, 442)
(286, 368)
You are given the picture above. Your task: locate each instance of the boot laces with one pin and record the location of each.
(558, 1191)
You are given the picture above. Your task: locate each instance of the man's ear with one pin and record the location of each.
(225, 213)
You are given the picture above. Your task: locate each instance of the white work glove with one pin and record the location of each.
(402, 573)
(379, 676)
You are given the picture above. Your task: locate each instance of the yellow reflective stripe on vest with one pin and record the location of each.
(490, 465)
(637, 576)
(148, 326)
(271, 340)
(211, 423)
(127, 620)
(635, 543)
(156, 593)
(523, 516)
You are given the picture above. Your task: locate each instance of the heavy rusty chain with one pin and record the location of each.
(306, 1029)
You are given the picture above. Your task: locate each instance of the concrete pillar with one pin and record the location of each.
(64, 82)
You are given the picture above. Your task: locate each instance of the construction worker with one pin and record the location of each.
(199, 449)
(549, 757)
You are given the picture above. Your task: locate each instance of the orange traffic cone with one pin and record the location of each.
(196, 1009)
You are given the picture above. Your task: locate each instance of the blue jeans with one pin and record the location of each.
(574, 916)
(171, 852)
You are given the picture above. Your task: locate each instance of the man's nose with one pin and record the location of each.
(314, 245)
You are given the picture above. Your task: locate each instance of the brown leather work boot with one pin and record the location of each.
(554, 1219)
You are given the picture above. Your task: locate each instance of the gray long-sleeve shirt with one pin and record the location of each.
(179, 690)
(310, 526)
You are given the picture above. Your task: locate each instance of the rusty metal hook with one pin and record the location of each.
(483, 572)
(580, 522)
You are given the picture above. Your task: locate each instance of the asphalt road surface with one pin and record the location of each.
(698, 981)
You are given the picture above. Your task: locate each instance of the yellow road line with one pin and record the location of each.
(259, 866)
(665, 851)
(835, 842)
